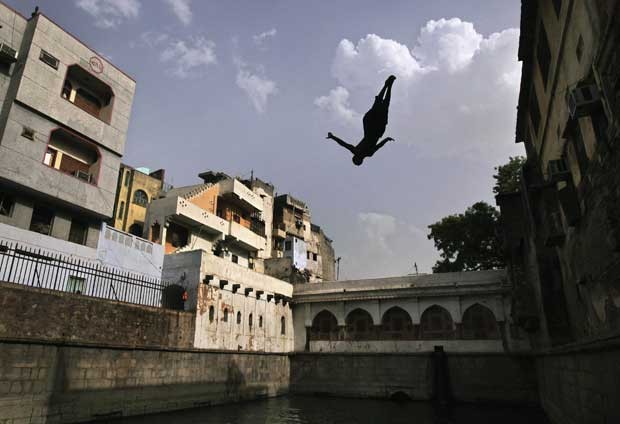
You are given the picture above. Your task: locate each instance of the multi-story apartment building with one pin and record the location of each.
(136, 187)
(562, 229)
(63, 125)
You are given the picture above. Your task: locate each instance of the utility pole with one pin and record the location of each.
(338, 267)
(415, 265)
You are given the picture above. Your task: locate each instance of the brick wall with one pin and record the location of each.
(53, 383)
(473, 377)
(27, 313)
(581, 385)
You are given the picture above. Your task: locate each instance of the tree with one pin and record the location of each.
(508, 177)
(468, 241)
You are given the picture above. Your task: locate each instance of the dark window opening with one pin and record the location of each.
(315, 257)
(28, 133)
(479, 323)
(288, 245)
(176, 236)
(250, 321)
(436, 323)
(7, 203)
(396, 321)
(78, 232)
(235, 259)
(237, 218)
(324, 326)
(48, 59)
(72, 155)
(282, 326)
(534, 111)
(260, 321)
(211, 313)
(136, 229)
(41, 221)
(127, 174)
(557, 6)
(225, 318)
(88, 93)
(600, 125)
(359, 324)
(121, 208)
(308, 255)
(580, 149)
(140, 198)
(543, 54)
(579, 50)
(173, 297)
(238, 317)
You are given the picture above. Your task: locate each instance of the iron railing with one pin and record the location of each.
(37, 268)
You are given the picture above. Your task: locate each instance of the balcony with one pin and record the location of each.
(279, 231)
(237, 193)
(187, 213)
(246, 238)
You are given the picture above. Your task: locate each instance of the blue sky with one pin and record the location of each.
(256, 85)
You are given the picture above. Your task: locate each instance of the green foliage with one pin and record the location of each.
(468, 241)
(508, 177)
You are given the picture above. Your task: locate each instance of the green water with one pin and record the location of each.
(313, 410)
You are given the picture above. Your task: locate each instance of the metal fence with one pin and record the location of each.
(37, 268)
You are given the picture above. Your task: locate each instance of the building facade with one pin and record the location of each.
(63, 127)
(135, 189)
(562, 230)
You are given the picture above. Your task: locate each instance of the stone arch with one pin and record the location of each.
(479, 323)
(436, 324)
(324, 326)
(396, 323)
(359, 324)
(339, 313)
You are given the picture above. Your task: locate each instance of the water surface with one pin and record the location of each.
(318, 410)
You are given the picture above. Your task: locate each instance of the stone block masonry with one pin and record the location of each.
(65, 384)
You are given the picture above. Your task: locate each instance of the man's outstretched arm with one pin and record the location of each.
(344, 144)
(382, 143)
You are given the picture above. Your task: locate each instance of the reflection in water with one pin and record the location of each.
(315, 410)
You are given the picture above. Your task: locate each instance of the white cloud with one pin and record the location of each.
(259, 39)
(188, 57)
(257, 88)
(455, 92)
(182, 10)
(336, 103)
(110, 13)
(447, 43)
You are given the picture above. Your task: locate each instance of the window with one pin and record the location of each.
(28, 133)
(225, 318)
(140, 198)
(121, 208)
(557, 6)
(73, 155)
(324, 325)
(359, 324)
(127, 175)
(41, 221)
(479, 323)
(308, 255)
(48, 59)
(260, 321)
(251, 263)
(543, 54)
(78, 232)
(235, 259)
(250, 321)
(76, 285)
(7, 203)
(315, 257)
(436, 323)
(288, 245)
(282, 326)
(211, 313)
(534, 111)
(88, 93)
(238, 318)
(579, 50)
(236, 218)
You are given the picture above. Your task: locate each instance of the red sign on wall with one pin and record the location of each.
(96, 65)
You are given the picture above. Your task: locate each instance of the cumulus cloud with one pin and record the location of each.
(185, 57)
(455, 92)
(259, 39)
(110, 13)
(182, 10)
(257, 88)
(336, 103)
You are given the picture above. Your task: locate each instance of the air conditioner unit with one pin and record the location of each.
(581, 98)
(83, 176)
(557, 170)
(7, 53)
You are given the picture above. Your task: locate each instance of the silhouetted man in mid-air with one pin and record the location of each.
(375, 121)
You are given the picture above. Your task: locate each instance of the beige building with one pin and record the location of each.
(135, 189)
(63, 125)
